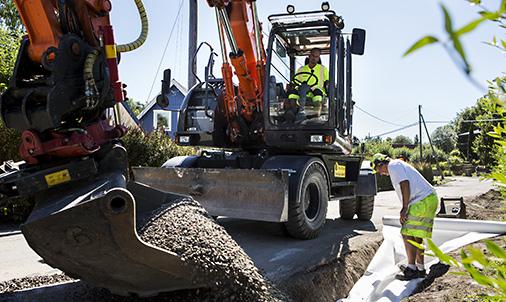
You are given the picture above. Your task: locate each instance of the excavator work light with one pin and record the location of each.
(290, 9)
(325, 6)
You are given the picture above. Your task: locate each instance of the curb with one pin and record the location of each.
(12, 233)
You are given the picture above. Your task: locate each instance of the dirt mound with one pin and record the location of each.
(487, 206)
(333, 279)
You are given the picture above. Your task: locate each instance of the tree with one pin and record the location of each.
(492, 111)
(444, 138)
(402, 139)
(9, 43)
(162, 122)
(10, 35)
(135, 106)
(9, 17)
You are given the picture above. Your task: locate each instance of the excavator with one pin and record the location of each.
(276, 162)
(263, 156)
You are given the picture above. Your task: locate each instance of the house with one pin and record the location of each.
(153, 116)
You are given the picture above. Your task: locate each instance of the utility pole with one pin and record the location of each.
(432, 148)
(420, 129)
(192, 43)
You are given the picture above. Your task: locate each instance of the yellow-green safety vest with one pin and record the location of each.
(321, 72)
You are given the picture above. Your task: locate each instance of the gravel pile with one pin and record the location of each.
(31, 282)
(215, 258)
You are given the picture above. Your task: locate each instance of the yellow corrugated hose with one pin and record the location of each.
(90, 88)
(144, 30)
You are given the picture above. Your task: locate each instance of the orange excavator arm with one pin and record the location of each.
(239, 25)
(65, 78)
(46, 22)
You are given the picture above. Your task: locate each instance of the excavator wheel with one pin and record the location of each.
(220, 137)
(306, 216)
(365, 207)
(347, 208)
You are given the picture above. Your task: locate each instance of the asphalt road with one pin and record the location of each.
(275, 254)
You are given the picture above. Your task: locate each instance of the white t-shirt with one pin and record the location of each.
(419, 187)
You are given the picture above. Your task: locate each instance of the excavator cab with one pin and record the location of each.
(301, 124)
(294, 118)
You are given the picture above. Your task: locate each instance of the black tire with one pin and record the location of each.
(307, 215)
(220, 137)
(347, 208)
(365, 207)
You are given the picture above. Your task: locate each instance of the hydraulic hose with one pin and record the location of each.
(90, 90)
(144, 30)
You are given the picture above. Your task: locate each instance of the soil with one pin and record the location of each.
(334, 279)
(487, 206)
(441, 284)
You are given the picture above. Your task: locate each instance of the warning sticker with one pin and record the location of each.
(339, 170)
(56, 178)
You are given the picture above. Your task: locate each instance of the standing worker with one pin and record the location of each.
(419, 205)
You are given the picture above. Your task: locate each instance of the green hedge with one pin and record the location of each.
(10, 140)
(151, 149)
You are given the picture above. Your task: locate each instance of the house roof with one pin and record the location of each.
(173, 83)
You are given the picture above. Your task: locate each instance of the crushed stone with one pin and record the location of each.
(214, 257)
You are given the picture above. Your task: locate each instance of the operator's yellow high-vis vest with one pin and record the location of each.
(320, 71)
(321, 74)
(421, 217)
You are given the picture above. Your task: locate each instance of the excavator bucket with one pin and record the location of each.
(238, 193)
(88, 229)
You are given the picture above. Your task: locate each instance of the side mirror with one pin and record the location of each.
(162, 100)
(358, 41)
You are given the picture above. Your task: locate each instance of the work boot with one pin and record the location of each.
(408, 274)
(421, 273)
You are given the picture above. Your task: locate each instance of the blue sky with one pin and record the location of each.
(384, 83)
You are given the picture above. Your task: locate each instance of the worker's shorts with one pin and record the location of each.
(421, 217)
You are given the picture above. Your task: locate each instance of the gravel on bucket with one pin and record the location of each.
(214, 257)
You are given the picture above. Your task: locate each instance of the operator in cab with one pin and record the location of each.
(316, 76)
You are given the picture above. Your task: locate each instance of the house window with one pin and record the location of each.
(162, 120)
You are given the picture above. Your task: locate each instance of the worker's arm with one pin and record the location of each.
(405, 191)
(325, 73)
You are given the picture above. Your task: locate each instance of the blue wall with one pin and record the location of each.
(176, 98)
